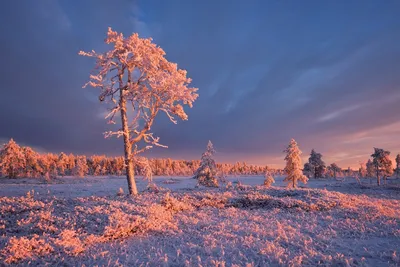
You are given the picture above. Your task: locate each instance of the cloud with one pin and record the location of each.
(267, 72)
(338, 113)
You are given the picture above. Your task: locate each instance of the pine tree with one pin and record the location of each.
(308, 170)
(135, 71)
(62, 163)
(32, 168)
(269, 180)
(293, 165)
(143, 168)
(206, 174)
(12, 160)
(317, 164)
(81, 167)
(370, 168)
(334, 169)
(382, 164)
(362, 172)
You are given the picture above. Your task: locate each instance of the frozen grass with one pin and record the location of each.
(243, 225)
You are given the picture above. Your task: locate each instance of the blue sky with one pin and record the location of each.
(326, 73)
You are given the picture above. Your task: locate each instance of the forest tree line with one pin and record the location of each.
(17, 161)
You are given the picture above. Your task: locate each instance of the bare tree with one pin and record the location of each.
(135, 71)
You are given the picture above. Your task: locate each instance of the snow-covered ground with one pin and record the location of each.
(83, 221)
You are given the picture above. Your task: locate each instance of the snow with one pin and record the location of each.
(84, 221)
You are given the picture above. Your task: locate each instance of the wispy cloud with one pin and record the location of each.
(338, 113)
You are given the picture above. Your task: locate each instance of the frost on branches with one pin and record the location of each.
(370, 169)
(269, 180)
(382, 164)
(206, 174)
(12, 160)
(135, 71)
(333, 170)
(293, 165)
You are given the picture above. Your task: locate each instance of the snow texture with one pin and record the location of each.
(89, 221)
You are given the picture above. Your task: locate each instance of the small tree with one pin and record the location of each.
(143, 168)
(317, 164)
(293, 165)
(206, 174)
(62, 163)
(397, 170)
(370, 168)
(382, 164)
(12, 160)
(269, 180)
(81, 167)
(32, 167)
(334, 169)
(136, 71)
(362, 172)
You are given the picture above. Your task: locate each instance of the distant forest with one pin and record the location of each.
(17, 161)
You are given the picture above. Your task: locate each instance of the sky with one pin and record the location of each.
(326, 73)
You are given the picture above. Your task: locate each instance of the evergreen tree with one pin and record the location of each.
(136, 72)
(269, 180)
(317, 164)
(293, 165)
(12, 160)
(334, 169)
(207, 172)
(308, 170)
(81, 167)
(32, 168)
(362, 172)
(370, 168)
(62, 163)
(382, 164)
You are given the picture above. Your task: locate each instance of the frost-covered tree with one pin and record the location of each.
(397, 170)
(293, 165)
(382, 164)
(362, 171)
(317, 164)
(308, 170)
(206, 174)
(32, 166)
(81, 167)
(12, 160)
(135, 70)
(269, 180)
(370, 168)
(334, 169)
(62, 163)
(143, 168)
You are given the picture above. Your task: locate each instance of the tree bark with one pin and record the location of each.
(378, 179)
(130, 175)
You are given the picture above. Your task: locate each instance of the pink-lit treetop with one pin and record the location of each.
(149, 81)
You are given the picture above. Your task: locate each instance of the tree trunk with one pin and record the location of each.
(378, 179)
(130, 175)
(294, 184)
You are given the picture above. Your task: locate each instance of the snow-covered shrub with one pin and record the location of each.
(120, 192)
